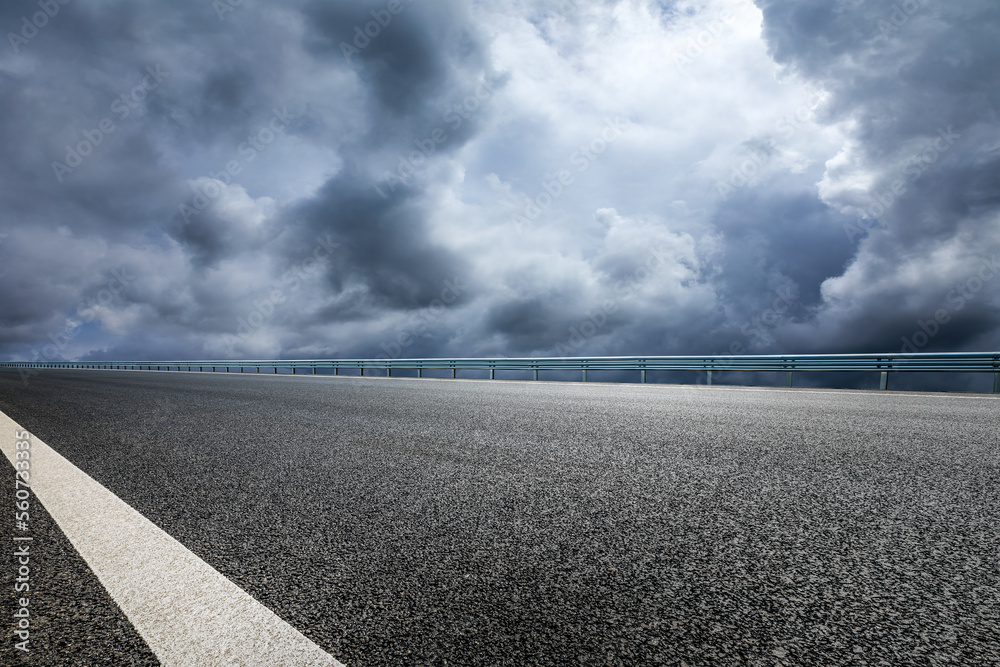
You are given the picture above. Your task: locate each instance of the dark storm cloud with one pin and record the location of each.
(918, 80)
(92, 100)
(415, 62)
(777, 242)
(387, 245)
(409, 57)
(217, 84)
(395, 50)
(376, 218)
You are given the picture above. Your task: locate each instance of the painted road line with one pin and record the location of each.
(187, 612)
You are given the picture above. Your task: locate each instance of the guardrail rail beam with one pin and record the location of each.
(883, 364)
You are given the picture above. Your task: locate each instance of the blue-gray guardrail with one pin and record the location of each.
(951, 362)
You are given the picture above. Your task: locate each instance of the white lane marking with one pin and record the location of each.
(187, 612)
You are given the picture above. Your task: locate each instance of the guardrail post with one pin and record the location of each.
(882, 364)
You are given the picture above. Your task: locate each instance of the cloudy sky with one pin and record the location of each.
(248, 178)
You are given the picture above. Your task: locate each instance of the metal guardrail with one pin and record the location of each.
(954, 362)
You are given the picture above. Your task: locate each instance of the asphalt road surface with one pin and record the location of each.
(444, 522)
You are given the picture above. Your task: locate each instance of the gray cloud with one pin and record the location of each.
(916, 83)
(827, 183)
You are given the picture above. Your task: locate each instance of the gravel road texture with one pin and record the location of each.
(444, 522)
